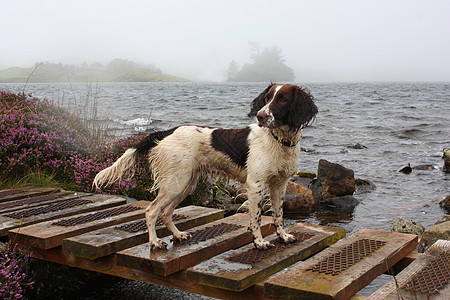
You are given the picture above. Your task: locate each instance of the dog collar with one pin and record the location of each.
(282, 141)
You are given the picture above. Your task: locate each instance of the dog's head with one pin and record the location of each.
(284, 104)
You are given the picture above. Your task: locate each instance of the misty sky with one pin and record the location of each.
(321, 40)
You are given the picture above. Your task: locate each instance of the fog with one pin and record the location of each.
(320, 40)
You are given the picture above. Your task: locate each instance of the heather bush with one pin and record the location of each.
(39, 136)
(16, 279)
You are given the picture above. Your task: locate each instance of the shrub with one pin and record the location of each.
(16, 278)
(39, 136)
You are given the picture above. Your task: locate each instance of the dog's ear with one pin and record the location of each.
(259, 102)
(303, 109)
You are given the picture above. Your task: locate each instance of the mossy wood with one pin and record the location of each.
(47, 235)
(435, 279)
(105, 241)
(25, 217)
(25, 192)
(325, 277)
(182, 255)
(223, 271)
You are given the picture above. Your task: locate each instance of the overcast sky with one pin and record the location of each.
(381, 40)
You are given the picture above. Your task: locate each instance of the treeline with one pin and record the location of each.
(118, 70)
(268, 65)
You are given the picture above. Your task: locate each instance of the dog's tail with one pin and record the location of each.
(113, 173)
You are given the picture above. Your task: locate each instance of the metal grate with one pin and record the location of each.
(11, 192)
(96, 216)
(347, 257)
(252, 256)
(31, 200)
(433, 277)
(48, 208)
(142, 226)
(210, 232)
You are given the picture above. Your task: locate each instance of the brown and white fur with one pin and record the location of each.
(260, 155)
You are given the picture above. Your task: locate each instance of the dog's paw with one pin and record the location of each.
(183, 236)
(262, 244)
(158, 245)
(288, 238)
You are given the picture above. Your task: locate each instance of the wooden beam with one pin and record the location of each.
(105, 241)
(340, 271)
(25, 217)
(25, 192)
(182, 255)
(237, 270)
(48, 234)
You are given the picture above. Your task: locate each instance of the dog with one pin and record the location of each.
(260, 155)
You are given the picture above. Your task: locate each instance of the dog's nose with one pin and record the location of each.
(261, 116)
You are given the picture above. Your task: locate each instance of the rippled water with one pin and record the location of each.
(397, 122)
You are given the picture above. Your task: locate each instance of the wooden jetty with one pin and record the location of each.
(104, 233)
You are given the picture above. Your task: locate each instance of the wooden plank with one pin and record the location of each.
(182, 255)
(102, 242)
(239, 269)
(52, 211)
(107, 265)
(49, 234)
(25, 192)
(347, 275)
(35, 201)
(417, 272)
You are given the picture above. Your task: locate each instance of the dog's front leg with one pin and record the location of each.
(277, 191)
(255, 192)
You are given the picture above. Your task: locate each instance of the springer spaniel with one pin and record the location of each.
(261, 154)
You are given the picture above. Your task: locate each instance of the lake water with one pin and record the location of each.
(399, 123)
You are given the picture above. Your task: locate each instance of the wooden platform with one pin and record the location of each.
(107, 235)
(426, 278)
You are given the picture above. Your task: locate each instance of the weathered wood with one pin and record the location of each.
(35, 201)
(182, 255)
(102, 242)
(107, 265)
(25, 192)
(395, 289)
(222, 272)
(7, 222)
(305, 281)
(47, 235)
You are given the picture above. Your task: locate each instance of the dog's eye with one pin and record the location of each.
(281, 99)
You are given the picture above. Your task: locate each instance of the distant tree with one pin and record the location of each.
(233, 70)
(268, 65)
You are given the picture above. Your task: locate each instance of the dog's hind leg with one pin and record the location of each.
(167, 213)
(255, 192)
(277, 191)
(171, 191)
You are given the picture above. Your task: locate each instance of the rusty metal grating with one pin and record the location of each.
(433, 277)
(252, 256)
(32, 200)
(11, 192)
(347, 257)
(211, 232)
(142, 226)
(48, 208)
(96, 216)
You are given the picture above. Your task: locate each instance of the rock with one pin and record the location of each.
(357, 146)
(298, 203)
(440, 231)
(363, 186)
(424, 167)
(445, 203)
(446, 157)
(406, 169)
(344, 203)
(295, 188)
(445, 218)
(333, 180)
(403, 225)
